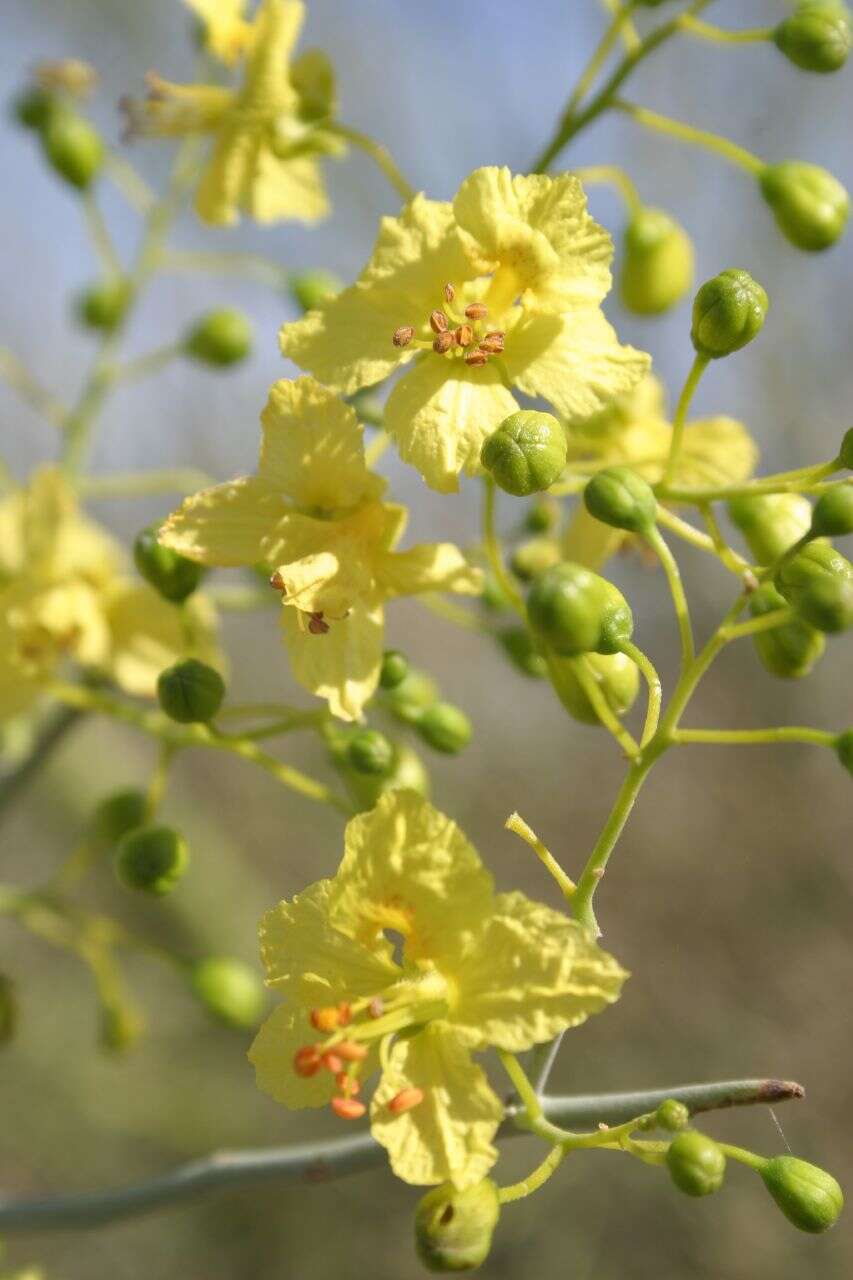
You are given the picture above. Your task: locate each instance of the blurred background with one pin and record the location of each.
(729, 898)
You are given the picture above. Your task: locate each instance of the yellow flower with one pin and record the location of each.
(266, 135)
(314, 515)
(634, 431)
(64, 595)
(475, 969)
(227, 32)
(502, 287)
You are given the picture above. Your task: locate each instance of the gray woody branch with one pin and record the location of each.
(320, 1162)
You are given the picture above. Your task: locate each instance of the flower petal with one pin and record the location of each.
(327, 566)
(448, 1136)
(226, 525)
(538, 228)
(575, 361)
(285, 1031)
(343, 665)
(588, 541)
(148, 634)
(715, 452)
(437, 566)
(440, 413)
(409, 868)
(226, 30)
(347, 342)
(529, 975)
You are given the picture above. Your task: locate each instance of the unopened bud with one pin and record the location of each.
(220, 338)
(152, 859)
(810, 205)
(771, 522)
(311, 288)
(791, 650)
(657, 266)
(818, 583)
(833, 513)
(454, 1229)
(102, 306)
(845, 453)
(190, 692)
(411, 697)
(445, 728)
(808, 1196)
(526, 454)
(518, 645)
(117, 814)
(533, 557)
(34, 108)
(369, 751)
(615, 675)
(230, 990)
(172, 575)
(619, 497)
(728, 312)
(395, 668)
(73, 148)
(844, 749)
(696, 1164)
(672, 1115)
(576, 611)
(816, 36)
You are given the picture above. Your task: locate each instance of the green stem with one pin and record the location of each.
(101, 238)
(135, 190)
(587, 681)
(689, 533)
(767, 622)
(381, 157)
(785, 482)
(596, 864)
(748, 737)
(689, 133)
(749, 1158)
(630, 37)
(613, 176)
(30, 390)
(516, 824)
(652, 679)
(492, 547)
(679, 599)
(251, 265)
(536, 1179)
(141, 484)
(719, 35)
(700, 364)
(602, 51)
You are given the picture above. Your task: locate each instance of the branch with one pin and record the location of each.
(50, 738)
(320, 1162)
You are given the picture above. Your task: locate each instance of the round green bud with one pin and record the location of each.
(117, 814)
(394, 669)
(845, 453)
(619, 497)
(844, 749)
(809, 1197)
(526, 454)
(73, 148)
(616, 676)
(816, 36)
(695, 1162)
(369, 751)
(541, 516)
(102, 306)
(407, 774)
(220, 338)
(770, 522)
(657, 264)
(533, 557)
(34, 108)
(309, 288)
(672, 1115)
(517, 644)
(8, 1009)
(454, 1229)
(119, 1028)
(412, 696)
(827, 603)
(810, 205)
(190, 692)
(172, 575)
(152, 859)
(833, 513)
(575, 611)
(445, 728)
(728, 312)
(230, 990)
(789, 651)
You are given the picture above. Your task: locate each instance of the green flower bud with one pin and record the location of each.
(619, 497)
(695, 1162)
(165, 570)
(616, 676)
(395, 668)
(117, 814)
(34, 108)
(816, 36)
(369, 751)
(728, 312)
(809, 1197)
(521, 651)
(657, 266)
(454, 1229)
(445, 728)
(845, 453)
(827, 603)
(844, 749)
(810, 205)
(220, 338)
(771, 522)
(102, 306)
(818, 583)
(8, 1010)
(411, 697)
(672, 1115)
(526, 454)
(789, 651)
(73, 148)
(120, 1027)
(230, 990)
(541, 516)
(576, 611)
(407, 774)
(533, 557)
(310, 288)
(833, 513)
(190, 692)
(152, 859)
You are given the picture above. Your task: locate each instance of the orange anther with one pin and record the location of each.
(449, 292)
(493, 343)
(464, 335)
(476, 358)
(403, 336)
(327, 1019)
(443, 342)
(476, 311)
(350, 1051)
(344, 1014)
(405, 1100)
(277, 581)
(438, 322)
(348, 1108)
(347, 1084)
(332, 1062)
(306, 1061)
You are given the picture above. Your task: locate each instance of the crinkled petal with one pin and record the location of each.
(302, 952)
(575, 361)
(588, 541)
(285, 1031)
(326, 566)
(449, 1136)
(347, 342)
(715, 452)
(440, 413)
(537, 229)
(244, 175)
(529, 975)
(226, 525)
(408, 867)
(148, 634)
(61, 620)
(343, 665)
(434, 567)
